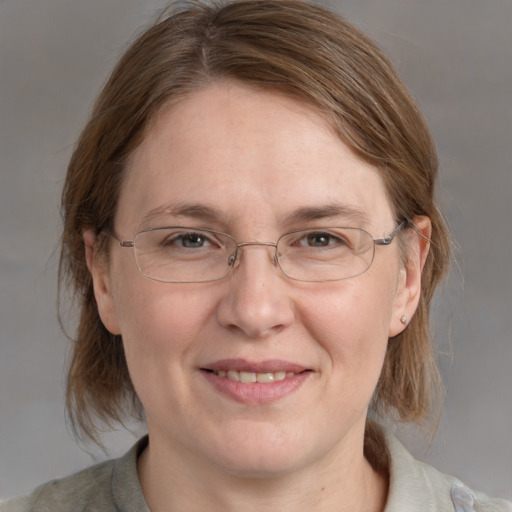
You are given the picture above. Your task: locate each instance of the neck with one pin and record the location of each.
(342, 482)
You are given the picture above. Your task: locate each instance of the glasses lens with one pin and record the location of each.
(183, 255)
(329, 254)
(188, 255)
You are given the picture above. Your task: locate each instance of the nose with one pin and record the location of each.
(257, 301)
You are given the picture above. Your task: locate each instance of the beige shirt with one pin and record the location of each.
(114, 486)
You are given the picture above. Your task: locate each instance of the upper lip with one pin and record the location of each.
(243, 365)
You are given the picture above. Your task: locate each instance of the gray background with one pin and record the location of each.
(455, 55)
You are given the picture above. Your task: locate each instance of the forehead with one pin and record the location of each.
(246, 153)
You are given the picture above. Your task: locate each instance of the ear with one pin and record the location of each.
(409, 287)
(98, 267)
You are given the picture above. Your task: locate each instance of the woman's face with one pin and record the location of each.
(253, 164)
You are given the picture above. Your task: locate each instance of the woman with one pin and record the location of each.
(251, 229)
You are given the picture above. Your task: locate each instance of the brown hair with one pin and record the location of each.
(297, 48)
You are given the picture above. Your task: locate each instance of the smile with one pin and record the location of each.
(254, 383)
(252, 377)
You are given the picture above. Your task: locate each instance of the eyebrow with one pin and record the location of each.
(193, 210)
(312, 213)
(300, 215)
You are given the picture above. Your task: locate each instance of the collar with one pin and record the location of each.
(417, 487)
(413, 485)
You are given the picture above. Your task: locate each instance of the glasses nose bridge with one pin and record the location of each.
(268, 244)
(235, 259)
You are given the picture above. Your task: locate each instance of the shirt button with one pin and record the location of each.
(462, 499)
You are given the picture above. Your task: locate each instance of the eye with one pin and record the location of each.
(188, 240)
(321, 239)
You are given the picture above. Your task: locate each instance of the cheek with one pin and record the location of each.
(161, 328)
(158, 319)
(350, 321)
(351, 328)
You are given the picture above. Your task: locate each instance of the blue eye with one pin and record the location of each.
(187, 240)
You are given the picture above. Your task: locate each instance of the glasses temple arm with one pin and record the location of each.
(388, 239)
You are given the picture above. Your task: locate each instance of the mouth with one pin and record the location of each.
(252, 377)
(255, 383)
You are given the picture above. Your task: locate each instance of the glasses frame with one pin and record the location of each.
(232, 260)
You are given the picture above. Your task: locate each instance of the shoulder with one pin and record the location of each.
(100, 488)
(454, 494)
(416, 486)
(88, 489)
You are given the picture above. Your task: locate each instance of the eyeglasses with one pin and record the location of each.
(189, 255)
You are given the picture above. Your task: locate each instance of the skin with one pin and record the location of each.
(255, 157)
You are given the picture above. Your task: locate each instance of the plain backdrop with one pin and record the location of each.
(455, 55)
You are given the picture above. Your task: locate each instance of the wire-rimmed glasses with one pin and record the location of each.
(180, 254)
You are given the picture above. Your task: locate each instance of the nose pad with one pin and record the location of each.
(235, 258)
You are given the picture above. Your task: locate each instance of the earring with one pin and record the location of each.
(404, 319)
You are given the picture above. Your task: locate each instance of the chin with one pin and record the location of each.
(264, 456)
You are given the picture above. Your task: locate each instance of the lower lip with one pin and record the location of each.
(256, 393)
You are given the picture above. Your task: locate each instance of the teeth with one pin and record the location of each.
(251, 377)
(247, 377)
(233, 375)
(264, 378)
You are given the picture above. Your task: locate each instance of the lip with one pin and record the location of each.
(242, 365)
(255, 393)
